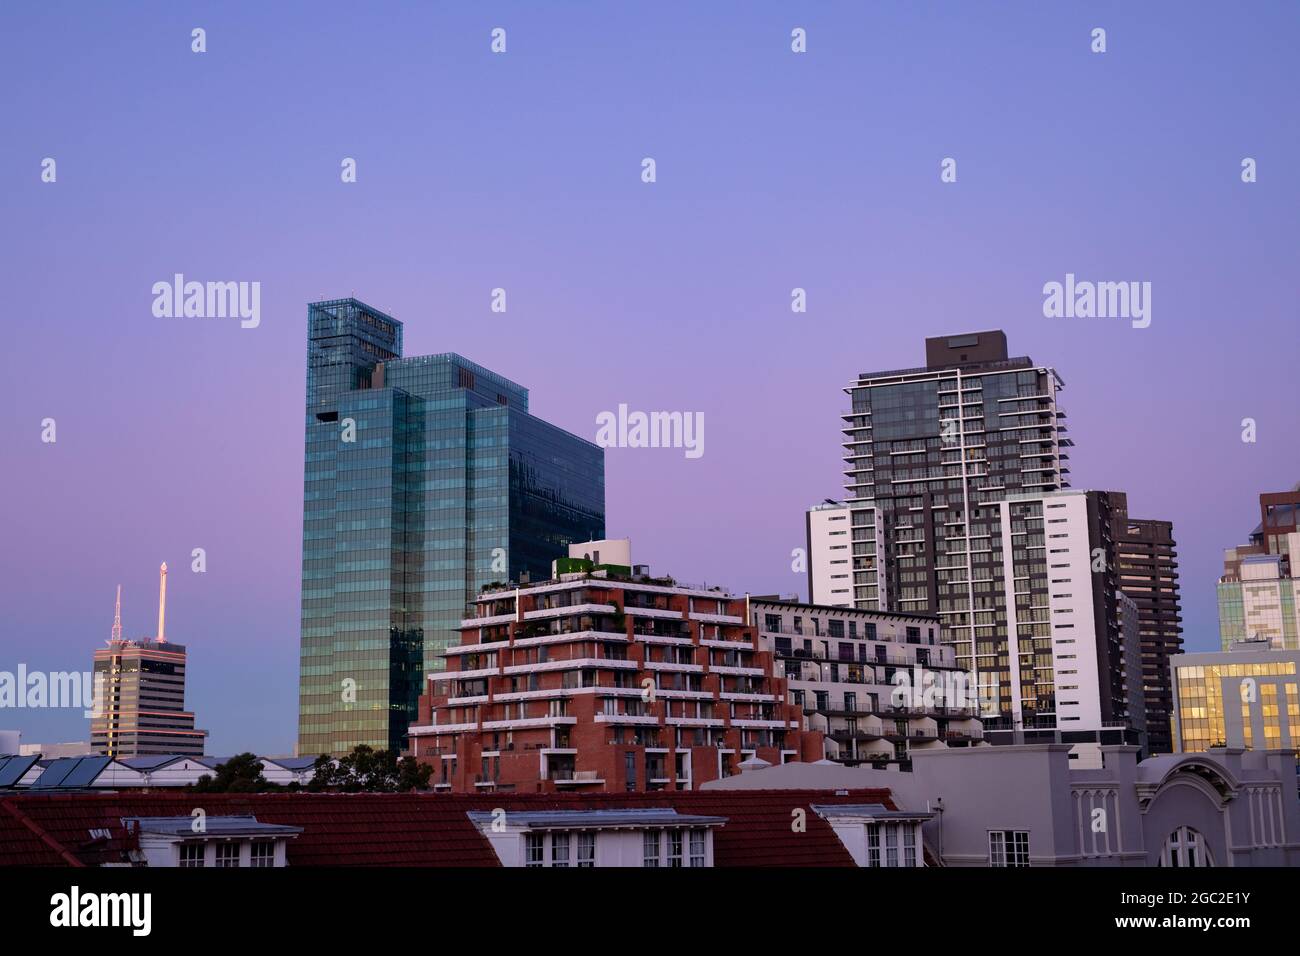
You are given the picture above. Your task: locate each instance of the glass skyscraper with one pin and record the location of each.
(426, 479)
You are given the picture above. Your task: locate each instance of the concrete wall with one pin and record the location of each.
(1244, 804)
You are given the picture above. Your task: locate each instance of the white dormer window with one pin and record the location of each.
(227, 854)
(261, 853)
(226, 841)
(659, 837)
(650, 842)
(191, 855)
(586, 848)
(876, 836)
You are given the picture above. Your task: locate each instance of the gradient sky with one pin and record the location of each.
(522, 171)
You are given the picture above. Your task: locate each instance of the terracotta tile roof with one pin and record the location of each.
(411, 829)
(24, 843)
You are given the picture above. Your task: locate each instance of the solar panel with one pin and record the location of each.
(293, 763)
(13, 768)
(71, 772)
(85, 772)
(55, 772)
(148, 762)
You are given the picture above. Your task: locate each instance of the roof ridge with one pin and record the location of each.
(41, 833)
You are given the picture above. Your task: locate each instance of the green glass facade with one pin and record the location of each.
(425, 480)
(1232, 614)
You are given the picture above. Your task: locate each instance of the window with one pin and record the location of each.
(650, 848)
(534, 849)
(261, 853)
(1008, 848)
(873, 844)
(586, 849)
(891, 846)
(1185, 847)
(675, 848)
(227, 854)
(192, 854)
(560, 849)
(909, 844)
(697, 847)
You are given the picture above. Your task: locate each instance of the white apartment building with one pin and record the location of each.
(830, 570)
(878, 685)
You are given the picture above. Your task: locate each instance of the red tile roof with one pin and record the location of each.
(411, 829)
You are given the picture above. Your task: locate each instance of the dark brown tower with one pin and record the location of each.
(1148, 573)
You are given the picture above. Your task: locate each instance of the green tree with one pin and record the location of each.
(366, 770)
(240, 774)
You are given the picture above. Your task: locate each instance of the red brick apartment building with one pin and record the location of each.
(605, 680)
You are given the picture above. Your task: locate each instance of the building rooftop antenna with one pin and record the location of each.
(117, 616)
(162, 601)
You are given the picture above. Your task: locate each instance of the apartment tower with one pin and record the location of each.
(1148, 573)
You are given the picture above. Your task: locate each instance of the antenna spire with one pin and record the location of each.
(162, 601)
(117, 616)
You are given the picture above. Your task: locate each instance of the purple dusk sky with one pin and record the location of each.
(522, 171)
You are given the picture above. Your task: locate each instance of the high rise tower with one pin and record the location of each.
(958, 503)
(1148, 573)
(426, 479)
(928, 449)
(140, 691)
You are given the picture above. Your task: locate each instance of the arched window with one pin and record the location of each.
(1185, 847)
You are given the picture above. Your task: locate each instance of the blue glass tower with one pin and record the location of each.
(426, 479)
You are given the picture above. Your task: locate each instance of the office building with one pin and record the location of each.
(605, 678)
(426, 480)
(140, 693)
(1259, 598)
(1245, 697)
